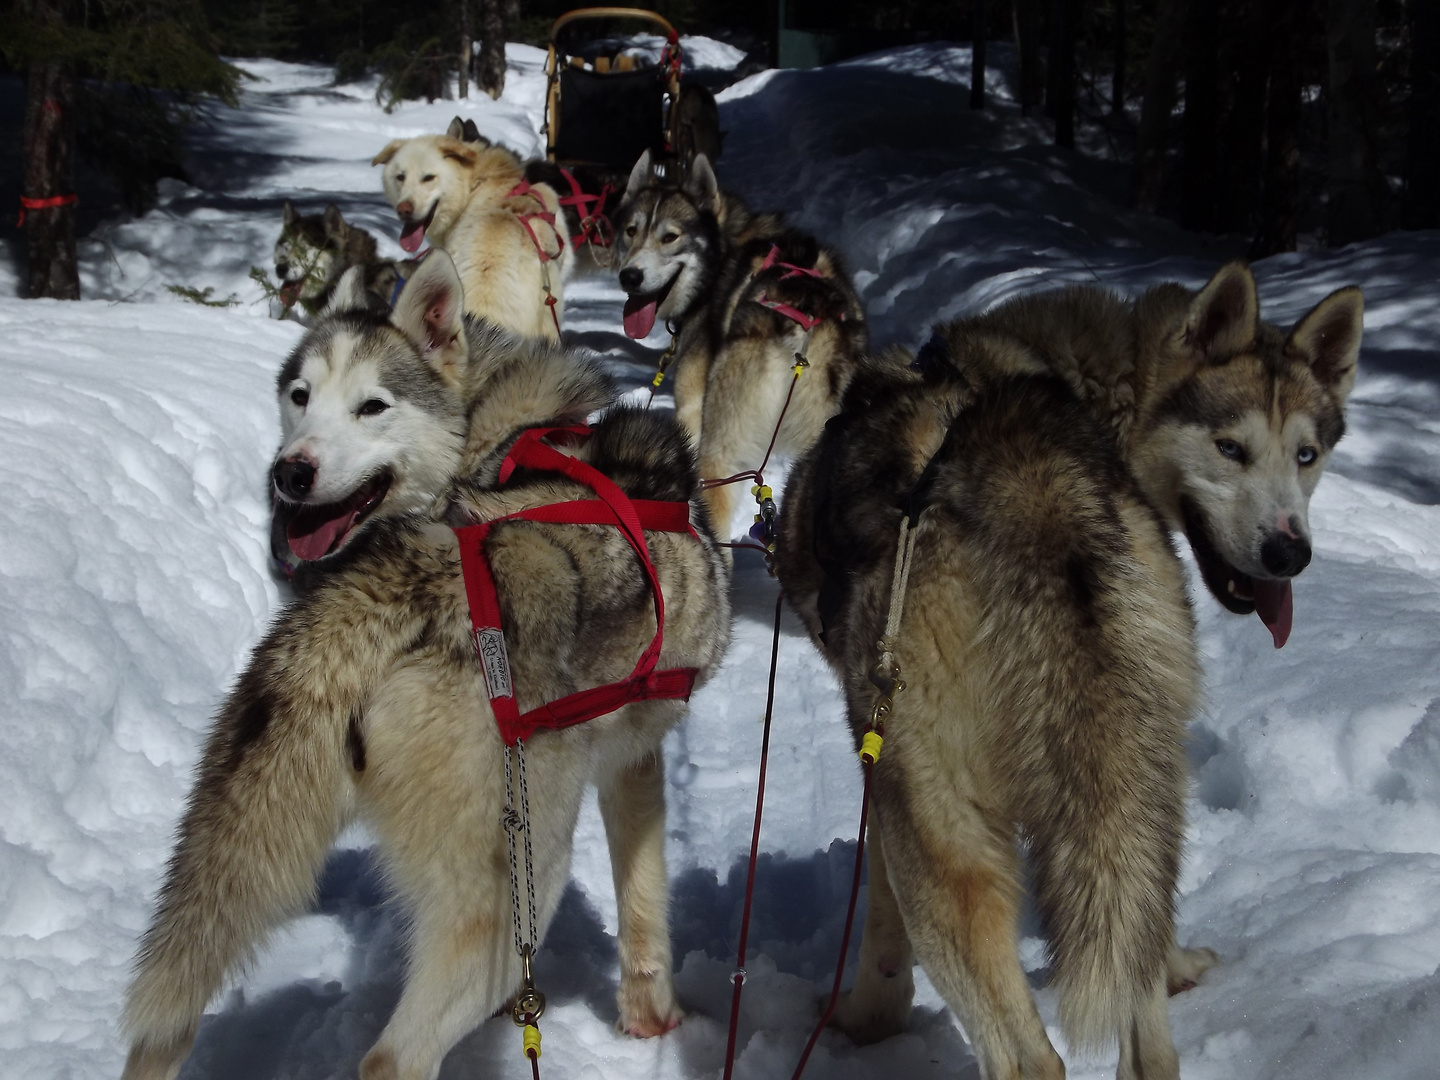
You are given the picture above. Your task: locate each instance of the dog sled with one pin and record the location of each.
(615, 89)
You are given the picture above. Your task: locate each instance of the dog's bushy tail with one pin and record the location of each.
(1106, 855)
(272, 792)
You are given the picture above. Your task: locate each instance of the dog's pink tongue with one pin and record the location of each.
(316, 543)
(1275, 605)
(412, 236)
(639, 316)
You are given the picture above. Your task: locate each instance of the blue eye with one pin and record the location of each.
(1307, 455)
(1231, 449)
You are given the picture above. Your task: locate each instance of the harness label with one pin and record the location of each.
(494, 661)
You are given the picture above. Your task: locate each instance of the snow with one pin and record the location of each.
(134, 433)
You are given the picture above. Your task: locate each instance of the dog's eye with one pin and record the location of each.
(427, 178)
(1231, 449)
(1308, 455)
(300, 396)
(373, 407)
(670, 238)
(399, 177)
(630, 231)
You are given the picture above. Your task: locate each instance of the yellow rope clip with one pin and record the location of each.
(532, 1041)
(870, 747)
(761, 491)
(659, 378)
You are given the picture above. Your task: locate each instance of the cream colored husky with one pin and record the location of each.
(472, 201)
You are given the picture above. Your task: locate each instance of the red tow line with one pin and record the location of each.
(595, 227)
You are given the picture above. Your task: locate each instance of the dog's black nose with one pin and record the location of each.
(281, 269)
(294, 477)
(631, 278)
(1285, 556)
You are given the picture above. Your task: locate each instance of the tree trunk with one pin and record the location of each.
(1148, 172)
(463, 86)
(1280, 204)
(491, 74)
(1117, 79)
(1422, 152)
(1356, 183)
(1027, 43)
(49, 174)
(1060, 92)
(1202, 115)
(1245, 60)
(977, 54)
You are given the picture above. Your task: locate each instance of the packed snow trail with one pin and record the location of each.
(135, 431)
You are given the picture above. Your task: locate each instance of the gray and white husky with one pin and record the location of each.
(694, 257)
(1226, 421)
(315, 250)
(366, 698)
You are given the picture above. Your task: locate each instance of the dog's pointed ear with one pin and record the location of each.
(1328, 339)
(471, 133)
(456, 130)
(389, 152)
(464, 153)
(349, 294)
(1225, 314)
(334, 223)
(430, 311)
(289, 214)
(639, 177)
(702, 185)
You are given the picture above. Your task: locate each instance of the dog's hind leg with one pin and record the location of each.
(1146, 1050)
(955, 875)
(879, 1004)
(435, 796)
(633, 805)
(275, 787)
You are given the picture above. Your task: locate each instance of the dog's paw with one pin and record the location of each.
(379, 1064)
(647, 1005)
(1184, 967)
(873, 1019)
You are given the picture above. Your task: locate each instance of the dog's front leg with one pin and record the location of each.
(632, 803)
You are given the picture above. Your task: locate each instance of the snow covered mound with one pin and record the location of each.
(135, 429)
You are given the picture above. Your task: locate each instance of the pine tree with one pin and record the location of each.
(145, 45)
(491, 74)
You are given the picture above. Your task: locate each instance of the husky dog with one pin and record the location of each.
(365, 700)
(696, 258)
(315, 250)
(544, 172)
(1049, 669)
(472, 200)
(1226, 421)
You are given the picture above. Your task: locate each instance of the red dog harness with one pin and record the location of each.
(632, 517)
(807, 322)
(524, 190)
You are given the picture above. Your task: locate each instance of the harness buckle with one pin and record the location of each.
(530, 1002)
